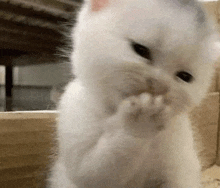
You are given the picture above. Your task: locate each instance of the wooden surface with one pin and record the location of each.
(25, 146)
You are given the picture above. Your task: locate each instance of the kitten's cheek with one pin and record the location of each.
(176, 105)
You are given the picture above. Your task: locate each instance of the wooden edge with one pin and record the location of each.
(42, 114)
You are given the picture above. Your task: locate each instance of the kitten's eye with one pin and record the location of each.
(185, 76)
(142, 50)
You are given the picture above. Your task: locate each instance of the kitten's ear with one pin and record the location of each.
(97, 5)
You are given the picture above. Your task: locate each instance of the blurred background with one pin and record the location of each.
(34, 48)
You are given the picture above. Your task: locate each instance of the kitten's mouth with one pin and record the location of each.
(133, 93)
(153, 87)
(179, 103)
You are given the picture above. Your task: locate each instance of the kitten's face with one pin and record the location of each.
(131, 46)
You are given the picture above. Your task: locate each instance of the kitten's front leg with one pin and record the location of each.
(143, 117)
(113, 158)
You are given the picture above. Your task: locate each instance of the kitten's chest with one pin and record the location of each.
(150, 173)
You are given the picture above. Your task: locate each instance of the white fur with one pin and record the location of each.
(105, 139)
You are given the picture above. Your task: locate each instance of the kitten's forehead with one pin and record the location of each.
(165, 27)
(179, 18)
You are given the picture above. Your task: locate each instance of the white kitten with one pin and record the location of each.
(140, 65)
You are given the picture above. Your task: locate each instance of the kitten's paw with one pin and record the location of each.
(144, 114)
(144, 105)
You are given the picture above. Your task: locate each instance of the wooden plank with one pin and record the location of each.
(60, 4)
(35, 59)
(31, 59)
(50, 10)
(28, 45)
(18, 173)
(12, 138)
(9, 162)
(26, 145)
(21, 115)
(32, 34)
(30, 40)
(23, 125)
(10, 150)
(29, 12)
(25, 182)
(25, 46)
(32, 30)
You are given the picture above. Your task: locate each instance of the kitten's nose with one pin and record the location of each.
(157, 87)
